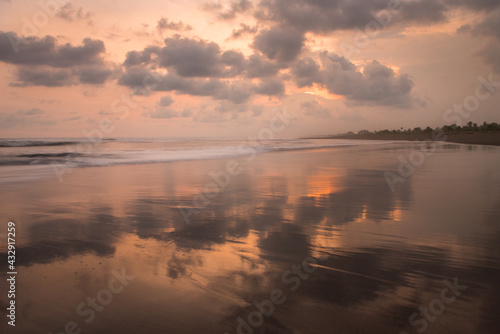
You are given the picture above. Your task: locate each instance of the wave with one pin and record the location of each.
(145, 153)
(28, 143)
(36, 143)
(50, 155)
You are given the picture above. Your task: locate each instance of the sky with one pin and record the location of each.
(207, 68)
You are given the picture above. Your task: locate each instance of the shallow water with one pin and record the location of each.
(310, 241)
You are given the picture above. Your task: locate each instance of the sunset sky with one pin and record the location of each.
(206, 68)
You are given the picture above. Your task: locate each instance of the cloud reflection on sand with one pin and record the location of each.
(283, 208)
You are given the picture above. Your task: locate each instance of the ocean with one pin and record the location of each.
(25, 160)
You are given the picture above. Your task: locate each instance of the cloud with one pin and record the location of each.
(327, 16)
(35, 76)
(236, 62)
(282, 44)
(44, 51)
(478, 5)
(306, 72)
(143, 57)
(229, 12)
(106, 113)
(237, 91)
(42, 62)
(94, 74)
(315, 109)
(24, 117)
(71, 119)
(271, 87)
(244, 30)
(187, 112)
(70, 13)
(163, 113)
(193, 58)
(375, 85)
(30, 112)
(166, 101)
(164, 24)
(491, 56)
(489, 26)
(258, 67)
(423, 11)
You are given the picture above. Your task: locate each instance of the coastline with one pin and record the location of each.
(472, 138)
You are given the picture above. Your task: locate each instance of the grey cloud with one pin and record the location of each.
(326, 16)
(489, 26)
(271, 87)
(314, 109)
(106, 113)
(94, 74)
(198, 58)
(257, 110)
(236, 62)
(30, 112)
(187, 112)
(491, 56)
(377, 84)
(141, 57)
(424, 11)
(71, 119)
(192, 58)
(44, 63)
(166, 101)
(257, 67)
(306, 72)
(69, 13)
(235, 7)
(237, 92)
(244, 30)
(163, 113)
(44, 51)
(164, 24)
(23, 117)
(29, 76)
(477, 5)
(280, 43)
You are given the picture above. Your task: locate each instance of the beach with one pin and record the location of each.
(472, 138)
(339, 239)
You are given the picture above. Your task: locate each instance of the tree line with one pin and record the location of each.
(469, 127)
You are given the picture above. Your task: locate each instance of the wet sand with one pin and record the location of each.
(312, 241)
(473, 138)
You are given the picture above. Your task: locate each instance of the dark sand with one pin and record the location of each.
(381, 254)
(473, 138)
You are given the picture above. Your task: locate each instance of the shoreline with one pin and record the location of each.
(472, 138)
